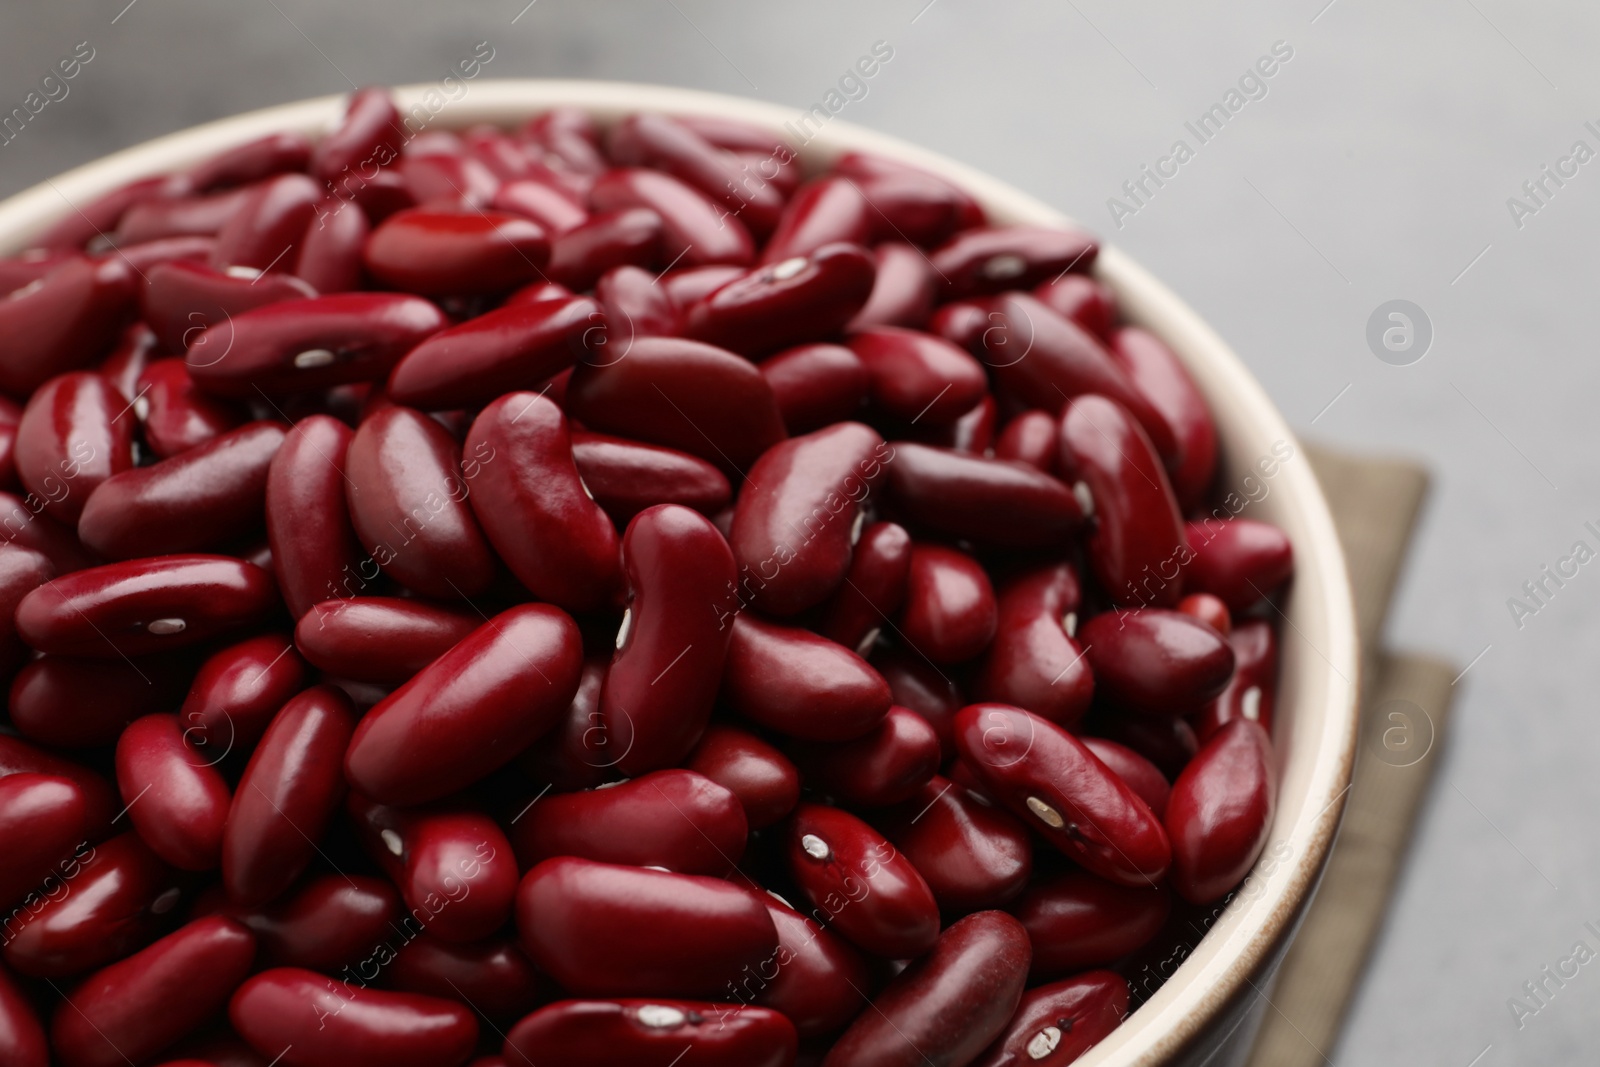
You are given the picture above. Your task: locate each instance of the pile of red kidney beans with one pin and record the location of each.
(567, 596)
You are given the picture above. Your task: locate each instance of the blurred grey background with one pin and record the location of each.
(1377, 166)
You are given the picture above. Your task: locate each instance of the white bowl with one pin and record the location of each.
(1206, 1012)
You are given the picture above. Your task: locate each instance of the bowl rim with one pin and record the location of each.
(1240, 940)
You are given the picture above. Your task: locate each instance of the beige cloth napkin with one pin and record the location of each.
(1405, 708)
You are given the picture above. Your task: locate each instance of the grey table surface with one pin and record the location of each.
(1376, 163)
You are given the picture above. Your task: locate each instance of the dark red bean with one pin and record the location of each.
(695, 230)
(384, 640)
(312, 1021)
(995, 502)
(738, 136)
(74, 229)
(972, 855)
(180, 299)
(144, 606)
(555, 209)
(492, 976)
(967, 324)
(649, 1033)
(803, 298)
(178, 801)
(799, 684)
(1036, 661)
(1156, 660)
(687, 285)
(1221, 811)
(30, 265)
(1164, 740)
(497, 150)
(674, 639)
(971, 433)
(606, 930)
(1136, 772)
(916, 377)
(573, 755)
(22, 1038)
(1061, 790)
(874, 587)
(674, 819)
(904, 289)
(950, 1004)
(10, 416)
(315, 554)
(1077, 921)
(1136, 547)
(534, 507)
(889, 764)
(471, 710)
(822, 211)
(75, 432)
(1209, 610)
(136, 1007)
(268, 225)
(239, 689)
(1030, 438)
(816, 385)
(537, 292)
(332, 923)
(456, 253)
(369, 136)
(571, 136)
(625, 477)
(1241, 561)
(627, 237)
(1087, 301)
(1250, 691)
(861, 887)
(263, 157)
(181, 216)
(766, 783)
(639, 306)
(19, 757)
(1056, 1024)
(923, 206)
(43, 820)
(819, 982)
(82, 703)
(1157, 373)
(143, 257)
(329, 259)
(176, 415)
(454, 866)
(917, 683)
(296, 346)
(22, 570)
(950, 614)
(645, 140)
(410, 504)
(997, 258)
(23, 524)
(437, 178)
(290, 788)
(683, 394)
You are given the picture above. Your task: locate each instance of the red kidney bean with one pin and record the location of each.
(10, 416)
(816, 385)
(821, 212)
(296, 346)
(996, 258)
(972, 855)
(178, 801)
(766, 783)
(208, 496)
(874, 587)
(22, 1039)
(639, 306)
(454, 866)
(435, 178)
(23, 524)
(803, 298)
(573, 754)
(276, 153)
(239, 689)
(1137, 773)
(506, 156)
(922, 203)
(534, 507)
(1060, 789)
(971, 433)
(688, 285)
(471, 710)
(644, 140)
(1077, 921)
(410, 504)
(917, 683)
(818, 980)
(1056, 1024)
(1085, 300)
(76, 228)
(136, 1007)
(456, 253)
(312, 1021)
(384, 640)
(144, 606)
(492, 976)
(695, 230)
(736, 135)
(649, 1033)
(75, 432)
(1241, 561)
(180, 216)
(330, 923)
(1030, 438)
(1156, 660)
(554, 208)
(1209, 610)
(951, 1003)
(22, 570)
(329, 259)
(1036, 661)
(606, 930)
(904, 290)
(180, 299)
(290, 788)
(674, 638)
(267, 226)
(314, 549)
(950, 614)
(176, 415)
(19, 757)
(571, 136)
(584, 252)
(674, 819)
(795, 524)
(624, 477)
(1136, 547)
(861, 888)
(889, 764)
(31, 265)
(1159, 375)
(913, 376)
(683, 394)
(968, 324)
(83, 703)
(537, 292)
(801, 685)
(369, 136)
(995, 502)
(147, 255)
(1164, 740)
(1221, 811)
(43, 819)
(1249, 694)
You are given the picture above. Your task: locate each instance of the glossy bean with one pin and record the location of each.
(570, 135)
(1001, 503)
(1056, 1024)
(456, 253)
(904, 290)
(10, 416)
(76, 431)
(22, 1038)
(238, 689)
(1036, 661)
(22, 570)
(1156, 660)
(493, 976)
(70, 702)
(950, 613)
(820, 981)
(179, 216)
(369, 135)
(1087, 301)
(1221, 811)
(1209, 610)
(606, 930)
(534, 507)
(910, 201)
(454, 178)
(1251, 691)
(765, 781)
(650, 1033)
(1160, 376)
(329, 259)
(995, 258)
(1060, 789)
(695, 230)
(326, 924)
(627, 237)
(1030, 438)
(555, 209)
(315, 554)
(177, 801)
(917, 377)
(799, 684)
(1165, 740)
(76, 228)
(176, 415)
(1077, 921)
(874, 587)
(384, 640)
(625, 477)
(638, 304)
(821, 212)
(972, 855)
(43, 819)
(276, 153)
(265, 230)
(180, 298)
(1241, 561)
(687, 285)
(471, 710)
(916, 682)
(670, 147)
(100, 805)
(1136, 772)
(574, 754)
(816, 385)
(889, 764)
(803, 298)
